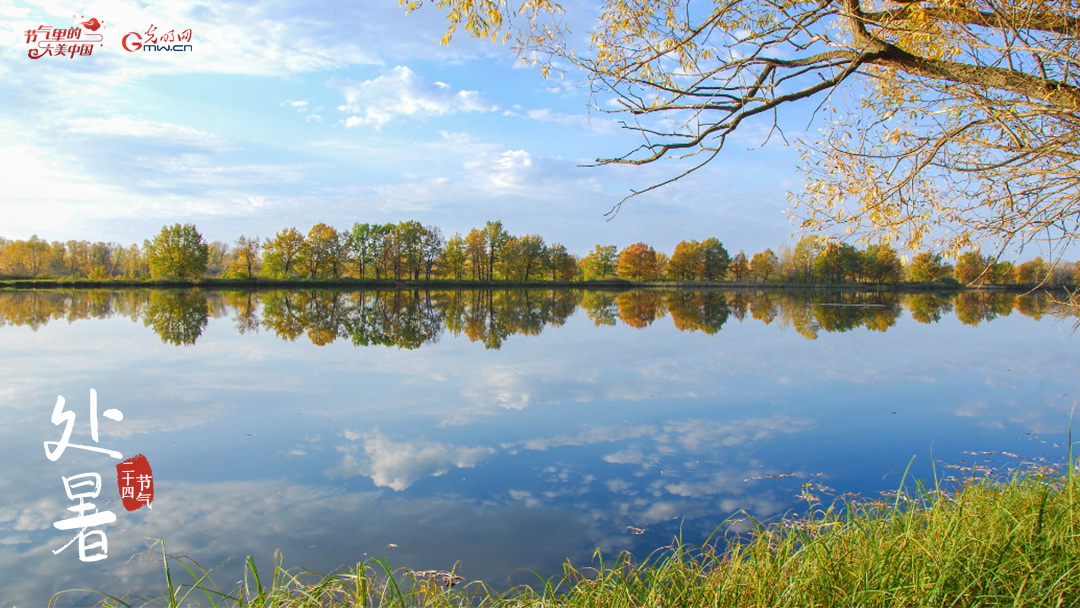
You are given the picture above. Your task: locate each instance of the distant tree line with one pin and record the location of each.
(410, 250)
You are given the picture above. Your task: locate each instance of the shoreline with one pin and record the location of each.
(406, 285)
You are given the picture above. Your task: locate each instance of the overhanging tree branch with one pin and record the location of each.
(968, 128)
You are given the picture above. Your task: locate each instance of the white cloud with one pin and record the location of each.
(402, 93)
(511, 170)
(165, 132)
(583, 122)
(399, 464)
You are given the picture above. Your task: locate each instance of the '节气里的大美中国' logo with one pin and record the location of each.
(48, 41)
(154, 42)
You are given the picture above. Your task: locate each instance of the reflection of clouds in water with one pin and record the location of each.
(590, 435)
(662, 485)
(689, 434)
(488, 392)
(627, 456)
(977, 409)
(1036, 412)
(399, 464)
(706, 434)
(516, 386)
(720, 482)
(40, 514)
(315, 527)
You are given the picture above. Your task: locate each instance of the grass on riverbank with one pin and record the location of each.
(1010, 542)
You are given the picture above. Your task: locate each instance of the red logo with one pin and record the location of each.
(133, 45)
(64, 41)
(136, 482)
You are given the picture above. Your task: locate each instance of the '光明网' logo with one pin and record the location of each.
(149, 41)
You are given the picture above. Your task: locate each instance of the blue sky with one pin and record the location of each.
(288, 113)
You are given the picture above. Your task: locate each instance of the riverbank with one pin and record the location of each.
(1009, 542)
(605, 284)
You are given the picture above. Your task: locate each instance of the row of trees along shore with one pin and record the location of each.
(410, 250)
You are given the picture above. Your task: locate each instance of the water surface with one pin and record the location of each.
(501, 432)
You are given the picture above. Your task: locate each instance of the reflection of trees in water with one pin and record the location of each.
(1035, 306)
(928, 307)
(639, 309)
(366, 318)
(690, 310)
(846, 311)
(811, 312)
(406, 319)
(490, 317)
(280, 314)
(974, 307)
(600, 307)
(34, 309)
(178, 317)
(764, 307)
(705, 311)
(245, 306)
(30, 308)
(796, 312)
(739, 304)
(411, 318)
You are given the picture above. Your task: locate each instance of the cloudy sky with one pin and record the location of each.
(288, 113)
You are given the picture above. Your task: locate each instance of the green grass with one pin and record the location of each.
(1004, 542)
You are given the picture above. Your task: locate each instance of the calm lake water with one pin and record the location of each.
(498, 432)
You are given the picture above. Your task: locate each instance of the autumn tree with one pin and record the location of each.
(131, 262)
(838, 262)
(363, 245)
(1033, 271)
(974, 268)
(715, 260)
(1002, 272)
(600, 263)
(562, 264)
(740, 267)
(970, 267)
(405, 249)
(881, 264)
(476, 252)
(25, 258)
(763, 265)
(431, 249)
(454, 259)
(496, 237)
(687, 261)
(323, 252)
(510, 260)
(178, 252)
(281, 254)
(525, 255)
(964, 124)
(639, 262)
(246, 257)
(76, 258)
(929, 266)
(102, 259)
(797, 263)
